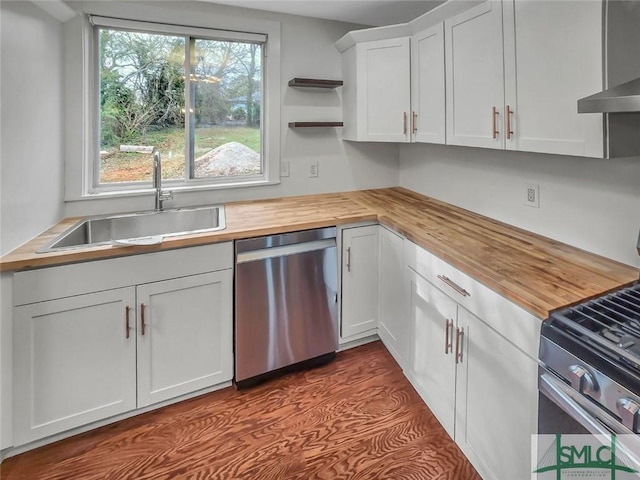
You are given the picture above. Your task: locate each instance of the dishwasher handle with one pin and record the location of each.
(294, 249)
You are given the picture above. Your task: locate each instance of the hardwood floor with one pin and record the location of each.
(355, 418)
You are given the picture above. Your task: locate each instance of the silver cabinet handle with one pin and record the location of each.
(405, 122)
(348, 259)
(508, 113)
(127, 325)
(143, 325)
(459, 346)
(454, 285)
(448, 344)
(494, 122)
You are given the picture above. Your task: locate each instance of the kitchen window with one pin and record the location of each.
(196, 95)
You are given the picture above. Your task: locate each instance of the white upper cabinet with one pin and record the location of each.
(427, 86)
(515, 70)
(474, 70)
(376, 93)
(503, 74)
(553, 53)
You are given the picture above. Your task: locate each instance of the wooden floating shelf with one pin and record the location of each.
(314, 124)
(314, 83)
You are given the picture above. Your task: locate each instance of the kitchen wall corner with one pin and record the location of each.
(593, 204)
(31, 171)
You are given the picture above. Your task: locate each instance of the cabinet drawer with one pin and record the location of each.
(69, 280)
(513, 322)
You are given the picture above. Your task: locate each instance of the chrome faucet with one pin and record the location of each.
(157, 182)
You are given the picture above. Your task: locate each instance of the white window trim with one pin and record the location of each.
(80, 167)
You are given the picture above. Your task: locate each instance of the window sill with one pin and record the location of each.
(175, 189)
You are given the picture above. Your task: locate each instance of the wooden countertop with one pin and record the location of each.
(244, 220)
(539, 274)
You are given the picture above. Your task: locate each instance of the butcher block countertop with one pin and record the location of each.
(534, 272)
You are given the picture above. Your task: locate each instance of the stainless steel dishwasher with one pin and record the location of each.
(286, 303)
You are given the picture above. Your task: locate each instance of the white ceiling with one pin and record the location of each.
(365, 12)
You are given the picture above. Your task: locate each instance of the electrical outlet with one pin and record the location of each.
(532, 198)
(313, 169)
(284, 169)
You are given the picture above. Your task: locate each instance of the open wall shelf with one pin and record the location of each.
(314, 83)
(314, 124)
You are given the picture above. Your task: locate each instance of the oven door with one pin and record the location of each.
(563, 410)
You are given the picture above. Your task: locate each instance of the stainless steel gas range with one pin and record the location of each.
(590, 368)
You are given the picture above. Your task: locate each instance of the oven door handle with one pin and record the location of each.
(578, 408)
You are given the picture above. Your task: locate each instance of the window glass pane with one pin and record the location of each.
(142, 105)
(226, 83)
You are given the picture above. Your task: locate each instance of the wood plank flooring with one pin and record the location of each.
(355, 418)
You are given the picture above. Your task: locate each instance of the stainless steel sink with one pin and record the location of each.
(139, 228)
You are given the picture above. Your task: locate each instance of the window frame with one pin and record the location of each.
(265, 32)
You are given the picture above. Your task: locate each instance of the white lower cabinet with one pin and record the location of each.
(433, 367)
(393, 319)
(186, 342)
(496, 402)
(73, 362)
(359, 282)
(477, 382)
(90, 356)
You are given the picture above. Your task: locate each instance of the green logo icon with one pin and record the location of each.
(585, 454)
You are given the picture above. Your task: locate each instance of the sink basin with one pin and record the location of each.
(139, 228)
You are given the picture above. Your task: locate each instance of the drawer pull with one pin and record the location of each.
(348, 259)
(454, 285)
(414, 122)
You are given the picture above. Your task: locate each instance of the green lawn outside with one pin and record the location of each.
(118, 166)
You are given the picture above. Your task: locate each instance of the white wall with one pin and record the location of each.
(307, 51)
(593, 204)
(31, 154)
(31, 166)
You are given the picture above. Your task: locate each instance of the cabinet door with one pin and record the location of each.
(432, 371)
(475, 68)
(187, 340)
(74, 362)
(553, 54)
(393, 325)
(496, 403)
(427, 85)
(384, 77)
(359, 281)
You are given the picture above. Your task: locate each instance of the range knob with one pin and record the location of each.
(582, 380)
(628, 410)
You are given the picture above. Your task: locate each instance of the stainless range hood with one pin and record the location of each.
(622, 98)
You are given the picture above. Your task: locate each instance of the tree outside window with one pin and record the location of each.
(197, 100)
